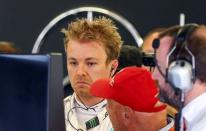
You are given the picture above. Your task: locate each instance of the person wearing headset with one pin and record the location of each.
(181, 75)
(92, 49)
(148, 51)
(133, 103)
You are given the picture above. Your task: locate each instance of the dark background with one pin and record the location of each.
(21, 21)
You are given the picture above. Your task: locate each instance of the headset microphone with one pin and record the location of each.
(156, 44)
(112, 71)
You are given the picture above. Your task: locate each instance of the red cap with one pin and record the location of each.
(131, 86)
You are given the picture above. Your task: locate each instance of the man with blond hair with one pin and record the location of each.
(92, 49)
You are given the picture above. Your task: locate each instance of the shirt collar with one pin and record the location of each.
(95, 108)
(191, 112)
(169, 125)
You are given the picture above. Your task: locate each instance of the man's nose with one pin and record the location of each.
(81, 70)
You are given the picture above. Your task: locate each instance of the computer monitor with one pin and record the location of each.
(31, 92)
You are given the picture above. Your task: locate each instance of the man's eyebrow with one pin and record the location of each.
(71, 58)
(87, 59)
(91, 58)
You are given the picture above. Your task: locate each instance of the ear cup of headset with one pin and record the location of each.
(181, 71)
(180, 74)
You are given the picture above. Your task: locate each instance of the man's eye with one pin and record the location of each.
(73, 63)
(91, 63)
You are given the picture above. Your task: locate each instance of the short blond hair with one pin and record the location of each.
(100, 29)
(7, 47)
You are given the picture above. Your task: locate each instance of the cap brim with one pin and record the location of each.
(102, 88)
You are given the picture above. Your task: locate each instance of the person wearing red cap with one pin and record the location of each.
(132, 101)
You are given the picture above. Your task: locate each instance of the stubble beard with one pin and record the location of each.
(170, 97)
(84, 94)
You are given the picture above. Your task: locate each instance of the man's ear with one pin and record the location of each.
(127, 113)
(114, 65)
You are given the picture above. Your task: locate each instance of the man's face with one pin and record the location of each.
(114, 110)
(122, 119)
(166, 91)
(86, 62)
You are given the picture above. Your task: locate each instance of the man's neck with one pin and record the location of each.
(89, 102)
(197, 89)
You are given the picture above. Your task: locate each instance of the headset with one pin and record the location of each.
(180, 69)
